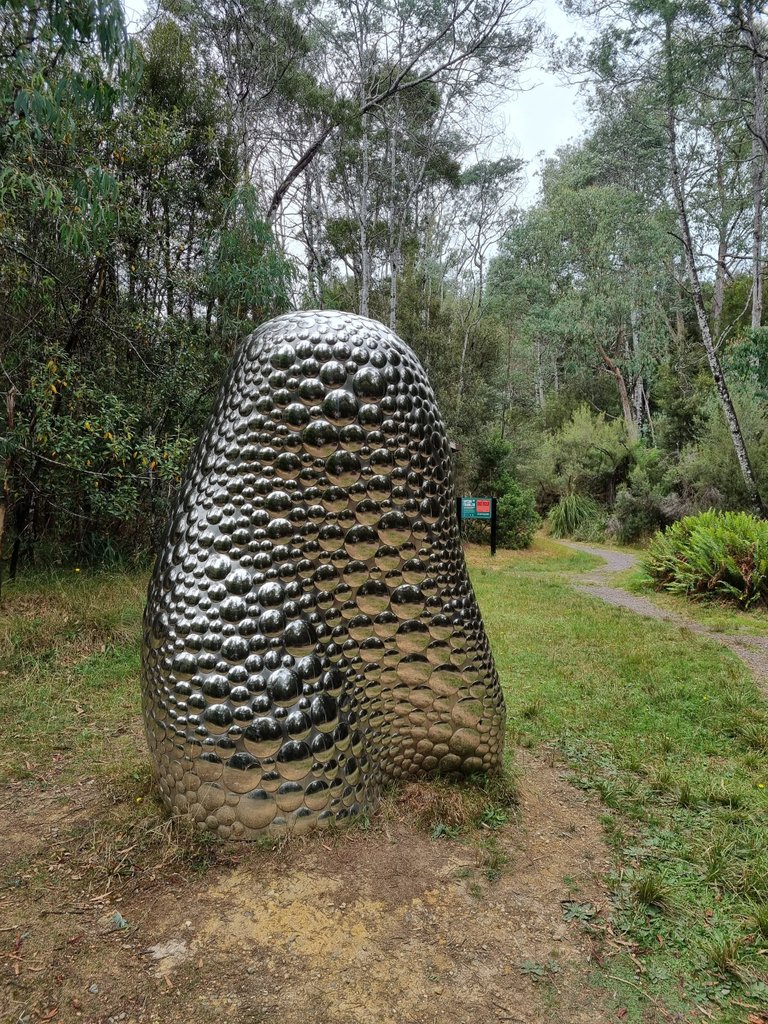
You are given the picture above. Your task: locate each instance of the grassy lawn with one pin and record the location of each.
(69, 668)
(666, 728)
(671, 733)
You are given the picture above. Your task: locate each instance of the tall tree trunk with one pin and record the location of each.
(719, 290)
(309, 231)
(8, 472)
(638, 404)
(638, 388)
(649, 419)
(317, 209)
(394, 266)
(394, 232)
(167, 259)
(721, 385)
(462, 364)
(539, 379)
(627, 407)
(365, 258)
(758, 170)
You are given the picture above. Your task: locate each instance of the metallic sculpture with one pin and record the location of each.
(311, 630)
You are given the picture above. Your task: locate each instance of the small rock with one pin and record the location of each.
(173, 948)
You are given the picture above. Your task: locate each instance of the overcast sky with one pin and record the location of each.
(547, 114)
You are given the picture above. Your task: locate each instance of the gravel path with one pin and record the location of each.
(753, 650)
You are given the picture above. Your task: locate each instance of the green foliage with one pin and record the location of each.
(492, 465)
(517, 518)
(714, 554)
(705, 472)
(590, 454)
(640, 509)
(132, 261)
(749, 358)
(577, 516)
(634, 516)
(137, 185)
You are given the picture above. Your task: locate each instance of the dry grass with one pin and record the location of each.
(457, 805)
(429, 805)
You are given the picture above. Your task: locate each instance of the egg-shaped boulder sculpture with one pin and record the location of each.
(310, 630)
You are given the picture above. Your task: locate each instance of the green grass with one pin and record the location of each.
(667, 729)
(544, 555)
(715, 615)
(69, 668)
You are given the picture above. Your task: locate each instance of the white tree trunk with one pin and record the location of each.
(365, 257)
(719, 291)
(638, 389)
(721, 385)
(539, 382)
(758, 185)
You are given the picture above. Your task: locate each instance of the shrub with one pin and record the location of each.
(709, 464)
(517, 517)
(634, 515)
(577, 516)
(713, 554)
(638, 509)
(587, 455)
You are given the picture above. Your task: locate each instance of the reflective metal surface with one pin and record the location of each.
(310, 628)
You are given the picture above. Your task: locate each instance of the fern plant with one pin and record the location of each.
(714, 554)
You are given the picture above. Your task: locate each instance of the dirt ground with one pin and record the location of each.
(368, 926)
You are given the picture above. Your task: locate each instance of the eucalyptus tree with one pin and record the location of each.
(131, 256)
(584, 269)
(377, 53)
(747, 19)
(411, 154)
(303, 80)
(59, 63)
(675, 51)
(480, 211)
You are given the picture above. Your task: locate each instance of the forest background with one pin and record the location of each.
(162, 196)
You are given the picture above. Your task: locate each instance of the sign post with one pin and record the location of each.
(478, 508)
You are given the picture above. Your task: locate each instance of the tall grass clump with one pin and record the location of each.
(714, 554)
(577, 516)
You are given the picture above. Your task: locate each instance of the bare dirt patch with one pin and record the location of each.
(387, 924)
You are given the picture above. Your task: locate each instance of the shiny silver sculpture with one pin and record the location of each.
(311, 630)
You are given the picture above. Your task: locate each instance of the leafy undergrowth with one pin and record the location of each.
(714, 554)
(670, 732)
(719, 616)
